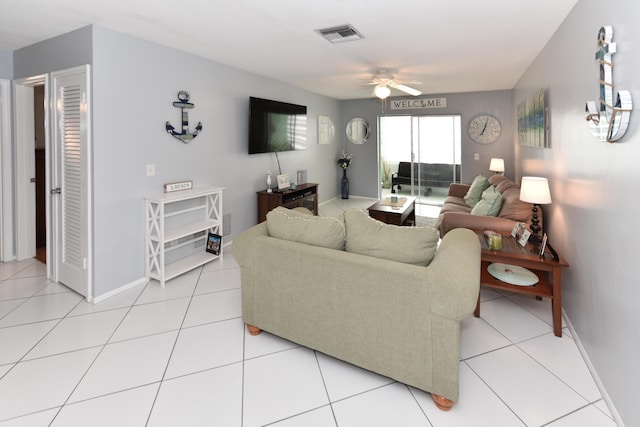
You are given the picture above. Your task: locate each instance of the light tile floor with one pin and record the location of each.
(180, 356)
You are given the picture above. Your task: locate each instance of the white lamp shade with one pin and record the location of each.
(535, 189)
(496, 165)
(382, 91)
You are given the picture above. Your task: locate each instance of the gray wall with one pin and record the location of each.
(65, 51)
(134, 85)
(363, 174)
(6, 64)
(593, 218)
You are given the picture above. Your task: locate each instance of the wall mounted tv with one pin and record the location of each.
(276, 126)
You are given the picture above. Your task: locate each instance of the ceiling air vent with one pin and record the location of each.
(343, 33)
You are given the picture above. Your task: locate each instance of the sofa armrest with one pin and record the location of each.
(243, 243)
(452, 220)
(454, 275)
(458, 190)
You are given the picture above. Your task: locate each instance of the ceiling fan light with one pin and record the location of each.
(382, 91)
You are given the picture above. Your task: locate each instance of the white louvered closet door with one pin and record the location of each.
(70, 192)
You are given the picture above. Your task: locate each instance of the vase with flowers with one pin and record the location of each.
(344, 161)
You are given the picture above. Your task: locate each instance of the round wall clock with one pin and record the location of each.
(484, 129)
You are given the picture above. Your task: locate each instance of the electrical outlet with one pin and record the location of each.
(151, 170)
(476, 156)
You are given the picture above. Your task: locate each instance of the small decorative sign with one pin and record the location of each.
(419, 103)
(177, 186)
(283, 181)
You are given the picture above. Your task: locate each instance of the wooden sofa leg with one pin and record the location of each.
(442, 403)
(253, 330)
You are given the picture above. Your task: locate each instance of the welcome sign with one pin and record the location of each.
(419, 103)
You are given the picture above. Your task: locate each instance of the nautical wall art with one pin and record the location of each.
(608, 117)
(184, 135)
(532, 126)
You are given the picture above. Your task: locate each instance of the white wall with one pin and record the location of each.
(134, 85)
(363, 175)
(593, 218)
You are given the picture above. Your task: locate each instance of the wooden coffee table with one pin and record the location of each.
(401, 213)
(548, 270)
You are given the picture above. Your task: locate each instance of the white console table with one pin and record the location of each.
(177, 226)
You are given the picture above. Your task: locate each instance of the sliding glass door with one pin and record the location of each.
(420, 155)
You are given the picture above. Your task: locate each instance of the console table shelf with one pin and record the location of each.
(177, 226)
(305, 195)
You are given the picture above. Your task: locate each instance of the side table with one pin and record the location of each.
(548, 270)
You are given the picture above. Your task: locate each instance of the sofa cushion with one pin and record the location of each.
(327, 232)
(489, 204)
(370, 237)
(496, 179)
(505, 185)
(473, 196)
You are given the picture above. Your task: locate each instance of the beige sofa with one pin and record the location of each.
(386, 298)
(456, 213)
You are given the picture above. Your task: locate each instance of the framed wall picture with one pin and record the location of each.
(214, 243)
(326, 130)
(532, 126)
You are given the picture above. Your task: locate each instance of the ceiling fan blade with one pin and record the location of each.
(406, 89)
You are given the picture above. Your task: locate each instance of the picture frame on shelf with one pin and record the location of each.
(283, 182)
(518, 229)
(524, 237)
(214, 243)
(543, 245)
(302, 177)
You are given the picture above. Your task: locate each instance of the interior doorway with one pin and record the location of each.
(40, 174)
(420, 155)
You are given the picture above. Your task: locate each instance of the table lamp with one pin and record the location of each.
(535, 190)
(497, 165)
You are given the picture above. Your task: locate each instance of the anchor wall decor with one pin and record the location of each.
(184, 104)
(609, 118)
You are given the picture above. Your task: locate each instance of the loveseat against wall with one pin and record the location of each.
(486, 204)
(428, 174)
(375, 295)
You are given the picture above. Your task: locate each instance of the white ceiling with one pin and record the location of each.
(448, 45)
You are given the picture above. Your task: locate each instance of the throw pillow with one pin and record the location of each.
(514, 208)
(327, 232)
(490, 203)
(370, 237)
(474, 194)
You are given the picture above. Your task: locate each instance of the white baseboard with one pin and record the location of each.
(594, 373)
(119, 290)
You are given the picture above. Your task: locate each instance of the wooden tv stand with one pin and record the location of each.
(305, 195)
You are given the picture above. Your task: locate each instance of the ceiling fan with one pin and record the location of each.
(384, 80)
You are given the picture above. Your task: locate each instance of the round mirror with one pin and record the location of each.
(358, 130)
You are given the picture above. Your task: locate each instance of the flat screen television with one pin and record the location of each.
(276, 126)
